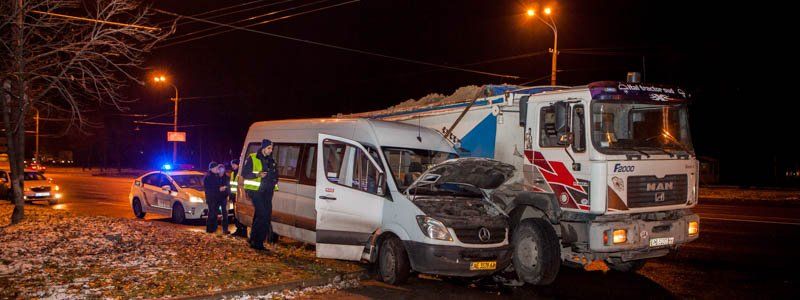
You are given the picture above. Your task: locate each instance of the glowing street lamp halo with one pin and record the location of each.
(531, 12)
(547, 11)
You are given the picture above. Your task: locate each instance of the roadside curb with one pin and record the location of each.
(292, 285)
(751, 202)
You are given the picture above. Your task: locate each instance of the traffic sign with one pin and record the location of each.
(176, 136)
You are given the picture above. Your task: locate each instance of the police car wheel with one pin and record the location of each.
(137, 208)
(393, 264)
(178, 214)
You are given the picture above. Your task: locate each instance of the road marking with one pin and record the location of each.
(750, 221)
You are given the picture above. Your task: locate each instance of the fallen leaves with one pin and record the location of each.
(54, 254)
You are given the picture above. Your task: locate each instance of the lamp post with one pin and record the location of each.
(161, 79)
(550, 22)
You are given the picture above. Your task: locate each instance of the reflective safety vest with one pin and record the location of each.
(234, 184)
(255, 183)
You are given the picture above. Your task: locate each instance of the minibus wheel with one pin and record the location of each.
(178, 214)
(537, 253)
(393, 265)
(137, 208)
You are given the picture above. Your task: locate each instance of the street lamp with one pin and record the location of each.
(161, 79)
(550, 22)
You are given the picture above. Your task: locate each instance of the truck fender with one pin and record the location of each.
(531, 205)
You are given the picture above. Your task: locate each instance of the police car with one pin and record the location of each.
(178, 194)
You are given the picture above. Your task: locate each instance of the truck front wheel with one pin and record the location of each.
(537, 254)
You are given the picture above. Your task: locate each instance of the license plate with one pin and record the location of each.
(42, 194)
(483, 265)
(657, 242)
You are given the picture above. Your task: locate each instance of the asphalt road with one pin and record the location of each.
(742, 252)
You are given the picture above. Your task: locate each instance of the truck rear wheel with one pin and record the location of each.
(628, 266)
(393, 265)
(537, 254)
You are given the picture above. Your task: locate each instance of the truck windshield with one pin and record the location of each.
(407, 164)
(619, 128)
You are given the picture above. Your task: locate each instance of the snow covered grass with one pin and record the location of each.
(734, 194)
(54, 254)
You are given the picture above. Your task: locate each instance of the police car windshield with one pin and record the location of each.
(34, 176)
(189, 181)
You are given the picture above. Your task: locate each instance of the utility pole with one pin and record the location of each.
(175, 127)
(36, 149)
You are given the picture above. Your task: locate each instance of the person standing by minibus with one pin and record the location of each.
(241, 230)
(260, 174)
(215, 186)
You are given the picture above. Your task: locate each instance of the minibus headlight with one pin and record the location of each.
(195, 199)
(433, 228)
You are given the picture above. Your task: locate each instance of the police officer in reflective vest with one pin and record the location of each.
(260, 179)
(241, 230)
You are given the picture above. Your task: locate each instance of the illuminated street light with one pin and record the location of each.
(161, 79)
(550, 22)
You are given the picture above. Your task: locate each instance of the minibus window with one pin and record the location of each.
(310, 166)
(286, 157)
(347, 165)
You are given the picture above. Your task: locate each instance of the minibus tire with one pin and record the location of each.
(52, 202)
(393, 265)
(628, 266)
(137, 209)
(178, 214)
(546, 260)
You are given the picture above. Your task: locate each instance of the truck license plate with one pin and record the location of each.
(483, 265)
(657, 242)
(42, 194)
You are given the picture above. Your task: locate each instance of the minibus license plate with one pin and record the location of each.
(657, 242)
(483, 265)
(42, 194)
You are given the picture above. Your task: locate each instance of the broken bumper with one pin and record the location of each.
(454, 260)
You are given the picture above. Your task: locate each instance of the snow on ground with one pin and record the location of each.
(54, 254)
(734, 193)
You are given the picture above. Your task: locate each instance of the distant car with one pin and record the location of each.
(37, 167)
(178, 194)
(37, 187)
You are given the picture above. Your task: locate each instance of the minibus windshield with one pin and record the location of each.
(406, 165)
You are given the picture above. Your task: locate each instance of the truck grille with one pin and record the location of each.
(646, 191)
(470, 235)
(40, 189)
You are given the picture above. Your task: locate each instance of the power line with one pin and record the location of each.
(218, 9)
(94, 20)
(342, 48)
(254, 24)
(246, 19)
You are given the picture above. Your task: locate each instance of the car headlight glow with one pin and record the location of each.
(196, 199)
(57, 188)
(433, 228)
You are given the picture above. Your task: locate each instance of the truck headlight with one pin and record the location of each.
(196, 199)
(694, 228)
(433, 228)
(617, 236)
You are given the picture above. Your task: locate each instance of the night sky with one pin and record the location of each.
(719, 52)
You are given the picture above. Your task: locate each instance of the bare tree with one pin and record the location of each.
(64, 57)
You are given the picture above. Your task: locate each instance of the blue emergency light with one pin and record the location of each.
(167, 167)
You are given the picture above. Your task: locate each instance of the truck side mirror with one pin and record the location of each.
(562, 122)
(523, 111)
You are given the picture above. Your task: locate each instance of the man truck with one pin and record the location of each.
(605, 172)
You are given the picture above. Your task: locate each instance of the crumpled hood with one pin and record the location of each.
(483, 173)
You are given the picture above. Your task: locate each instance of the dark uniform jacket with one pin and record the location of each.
(268, 165)
(211, 184)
